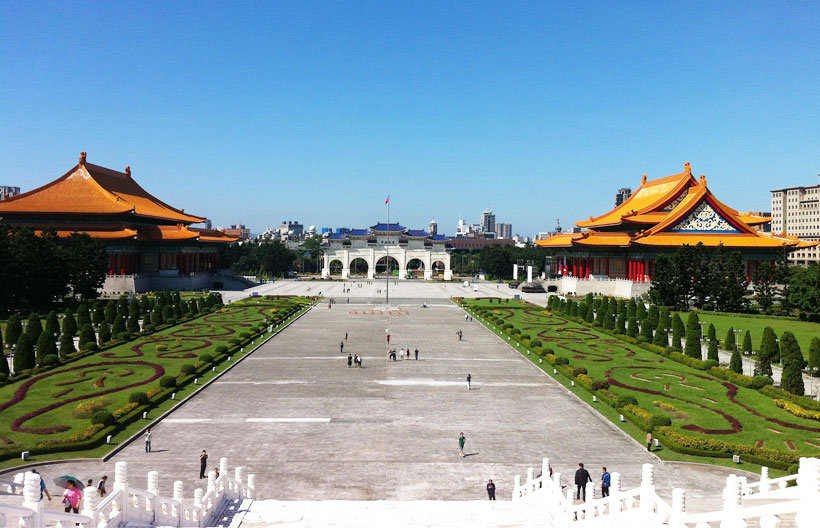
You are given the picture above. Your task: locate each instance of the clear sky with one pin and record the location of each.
(256, 112)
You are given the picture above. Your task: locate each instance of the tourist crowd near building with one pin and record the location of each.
(386, 249)
(150, 244)
(661, 216)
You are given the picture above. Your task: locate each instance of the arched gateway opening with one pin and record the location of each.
(358, 267)
(387, 265)
(335, 268)
(415, 268)
(438, 269)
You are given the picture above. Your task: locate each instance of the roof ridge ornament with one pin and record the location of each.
(128, 170)
(643, 179)
(687, 168)
(703, 180)
(82, 158)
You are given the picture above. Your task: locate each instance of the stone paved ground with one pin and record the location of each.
(311, 428)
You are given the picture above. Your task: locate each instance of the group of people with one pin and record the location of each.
(73, 492)
(404, 353)
(582, 477)
(354, 360)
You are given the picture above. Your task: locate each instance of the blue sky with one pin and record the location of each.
(256, 112)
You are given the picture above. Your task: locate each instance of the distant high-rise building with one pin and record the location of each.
(433, 227)
(238, 230)
(796, 212)
(503, 231)
(6, 191)
(622, 195)
(487, 222)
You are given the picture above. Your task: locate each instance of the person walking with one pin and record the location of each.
(90, 483)
(349, 360)
(43, 488)
(581, 479)
(360, 361)
(469, 378)
(491, 490)
(417, 354)
(341, 347)
(388, 339)
(605, 479)
(649, 441)
(72, 497)
(148, 441)
(461, 440)
(101, 486)
(203, 463)
(345, 336)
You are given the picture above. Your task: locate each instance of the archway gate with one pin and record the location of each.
(402, 255)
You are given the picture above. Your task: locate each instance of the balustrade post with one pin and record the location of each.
(31, 498)
(545, 468)
(530, 484)
(570, 503)
(731, 503)
(678, 505)
(198, 493)
(121, 487)
(178, 507)
(223, 467)
(212, 482)
(614, 491)
(239, 476)
(808, 482)
(764, 479)
(252, 486)
(590, 496)
(178, 489)
(516, 487)
(18, 479)
(647, 486)
(90, 499)
(769, 521)
(153, 489)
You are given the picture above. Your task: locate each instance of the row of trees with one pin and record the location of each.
(36, 270)
(631, 318)
(270, 258)
(36, 344)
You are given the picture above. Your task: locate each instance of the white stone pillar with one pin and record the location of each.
(515, 271)
(516, 486)
(647, 486)
(678, 505)
(402, 264)
(90, 496)
(212, 481)
(178, 490)
(545, 468)
(121, 485)
(31, 497)
(769, 521)
(198, 494)
(239, 473)
(809, 484)
(614, 491)
(252, 486)
(371, 264)
(223, 467)
(153, 482)
(529, 273)
(764, 479)
(325, 265)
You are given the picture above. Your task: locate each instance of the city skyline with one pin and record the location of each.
(255, 113)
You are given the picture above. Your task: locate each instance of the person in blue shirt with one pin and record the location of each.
(605, 484)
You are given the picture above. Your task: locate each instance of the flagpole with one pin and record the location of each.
(387, 259)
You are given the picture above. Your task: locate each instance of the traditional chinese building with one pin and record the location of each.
(386, 248)
(150, 244)
(659, 217)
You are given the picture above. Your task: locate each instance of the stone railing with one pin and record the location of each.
(128, 504)
(643, 507)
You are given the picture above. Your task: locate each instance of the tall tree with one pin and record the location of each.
(110, 311)
(87, 261)
(730, 283)
(83, 315)
(661, 331)
(765, 285)
(652, 316)
(98, 314)
(69, 323)
(729, 344)
(814, 356)
(105, 333)
(87, 336)
(793, 363)
(23, 353)
(678, 331)
(747, 343)
(632, 327)
(736, 362)
(45, 347)
(33, 327)
(712, 351)
(52, 325)
(663, 291)
(66, 343)
(769, 352)
(13, 330)
(4, 364)
(692, 348)
(804, 290)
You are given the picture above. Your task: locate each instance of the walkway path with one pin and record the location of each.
(311, 428)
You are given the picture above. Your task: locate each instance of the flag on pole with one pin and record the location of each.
(388, 199)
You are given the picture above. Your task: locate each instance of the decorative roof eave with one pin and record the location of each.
(388, 228)
(728, 240)
(628, 207)
(563, 240)
(166, 233)
(119, 234)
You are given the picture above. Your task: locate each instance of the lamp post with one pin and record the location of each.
(737, 337)
(701, 323)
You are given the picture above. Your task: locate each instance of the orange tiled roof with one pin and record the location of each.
(594, 238)
(559, 240)
(91, 189)
(157, 233)
(650, 196)
(213, 235)
(104, 235)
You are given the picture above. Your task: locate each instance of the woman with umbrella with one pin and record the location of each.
(73, 492)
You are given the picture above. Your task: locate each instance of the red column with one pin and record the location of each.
(640, 270)
(589, 263)
(574, 268)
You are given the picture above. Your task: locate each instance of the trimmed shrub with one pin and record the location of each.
(23, 353)
(659, 420)
(599, 385)
(244, 336)
(103, 418)
(91, 347)
(187, 369)
(535, 343)
(50, 360)
(206, 358)
(221, 349)
(625, 400)
(577, 371)
(138, 397)
(561, 361)
(168, 382)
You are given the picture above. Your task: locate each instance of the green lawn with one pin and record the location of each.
(698, 404)
(803, 331)
(48, 406)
